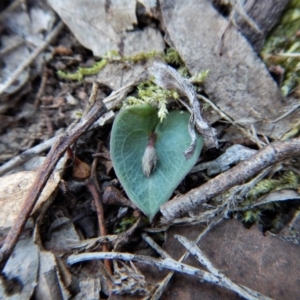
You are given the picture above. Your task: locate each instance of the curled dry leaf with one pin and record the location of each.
(168, 78)
(81, 171)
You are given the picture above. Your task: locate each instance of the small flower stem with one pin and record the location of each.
(152, 139)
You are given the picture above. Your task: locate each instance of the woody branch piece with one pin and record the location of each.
(271, 154)
(166, 263)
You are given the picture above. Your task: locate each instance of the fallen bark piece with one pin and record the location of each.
(233, 155)
(238, 81)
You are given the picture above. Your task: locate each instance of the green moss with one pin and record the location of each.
(282, 45)
(200, 77)
(173, 57)
(111, 57)
(82, 72)
(288, 180)
(251, 216)
(150, 93)
(125, 224)
(147, 92)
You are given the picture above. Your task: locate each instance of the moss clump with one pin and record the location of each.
(282, 48)
(150, 93)
(111, 57)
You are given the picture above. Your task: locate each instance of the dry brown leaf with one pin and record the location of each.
(63, 233)
(12, 60)
(254, 14)
(117, 75)
(263, 263)
(81, 170)
(238, 81)
(92, 279)
(90, 288)
(13, 192)
(28, 28)
(49, 284)
(107, 25)
(20, 271)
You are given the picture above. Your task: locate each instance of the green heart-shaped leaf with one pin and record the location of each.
(129, 139)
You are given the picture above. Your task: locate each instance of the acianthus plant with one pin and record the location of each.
(148, 155)
(153, 150)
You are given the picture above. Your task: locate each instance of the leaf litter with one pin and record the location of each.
(247, 106)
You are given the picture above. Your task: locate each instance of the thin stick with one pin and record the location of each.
(31, 58)
(155, 246)
(34, 151)
(227, 118)
(271, 154)
(41, 88)
(58, 149)
(89, 243)
(163, 284)
(10, 8)
(287, 113)
(167, 263)
(94, 189)
(92, 99)
(26, 155)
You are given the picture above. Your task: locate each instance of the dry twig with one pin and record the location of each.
(271, 154)
(94, 189)
(26, 155)
(166, 263)
(93, 242)
(163, 284)
(250, 136)
(43, 83)
(32, 57)
(34, 151)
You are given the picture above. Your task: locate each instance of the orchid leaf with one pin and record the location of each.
(130, 135)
